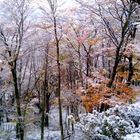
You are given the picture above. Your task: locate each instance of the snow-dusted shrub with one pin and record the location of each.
(134, 136)
(114, 124)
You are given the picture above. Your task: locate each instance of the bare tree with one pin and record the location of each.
(116, 19)
(46, 96)
(12, 42)
(53, 17)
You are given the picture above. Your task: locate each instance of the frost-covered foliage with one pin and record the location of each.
(135, 136)
(7, 131)
(118, 123)
(114, 124)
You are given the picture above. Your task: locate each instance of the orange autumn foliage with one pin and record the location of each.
(122, 74)
(95, 96)
(93, 41)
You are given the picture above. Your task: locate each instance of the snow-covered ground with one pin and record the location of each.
(118, 123)
(135, 136)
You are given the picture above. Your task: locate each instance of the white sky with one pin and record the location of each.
(64, 3)
(67, 2)
(70, 2)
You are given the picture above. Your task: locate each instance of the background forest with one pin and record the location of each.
(69, 70)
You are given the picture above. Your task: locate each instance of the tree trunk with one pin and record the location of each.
(47, 110)
(20, 127)
(72, 111)
(88, 65)
(130, 75)
(80, 69)
(59, 79)
(1, 111)
(114, 68)
(117, 59)
(47, 106)
(42, 122)
(46, 96)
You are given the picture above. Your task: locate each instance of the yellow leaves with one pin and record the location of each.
(93, 41)
(64, 57)
(136, 77)
(122, 74)
(55, 101)
(137, 66)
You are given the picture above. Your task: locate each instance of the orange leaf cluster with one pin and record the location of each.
(93, 42)
(95, 96)
(122, 74)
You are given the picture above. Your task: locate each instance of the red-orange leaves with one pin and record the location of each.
(97, 95)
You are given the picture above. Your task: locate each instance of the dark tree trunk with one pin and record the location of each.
(1, 111)
(130, 75)
(46, 97)
(109, 68)
(88, 65)
(59, 78)
(20, 127)
(96, 61)
(103, 61)
(72, 111)
(80, 70)
(125, 34)
(47, 110)
(117, 59)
